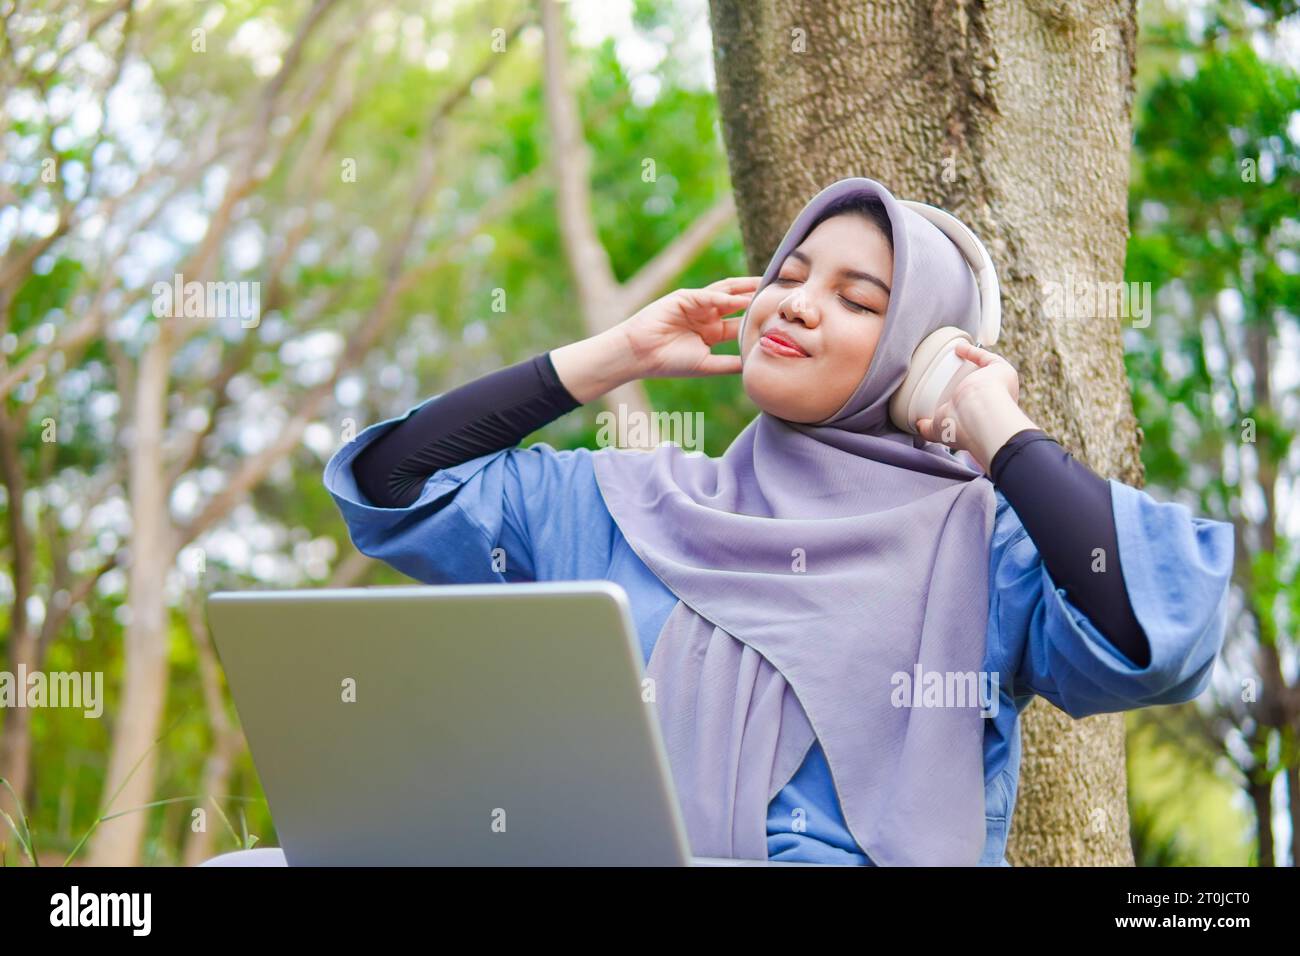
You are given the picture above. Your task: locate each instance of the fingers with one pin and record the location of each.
(932, 429)
(727, 329)
(983, 358)
(719, 365)
(721, 303)
(972, 353)
(736, 284)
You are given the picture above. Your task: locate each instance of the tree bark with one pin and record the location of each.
(1260, 789)
(133, 757)
(1015, 117)
(227, 739)
(15, 731)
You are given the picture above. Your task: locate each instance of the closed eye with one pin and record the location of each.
(856, 307)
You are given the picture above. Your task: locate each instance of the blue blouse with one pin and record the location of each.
(543, 509)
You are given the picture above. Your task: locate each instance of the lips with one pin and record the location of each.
(780, 344)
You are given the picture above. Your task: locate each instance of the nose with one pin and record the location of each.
(798, 306)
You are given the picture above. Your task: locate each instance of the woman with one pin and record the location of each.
(788, 594)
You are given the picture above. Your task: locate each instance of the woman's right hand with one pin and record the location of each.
(672, 336)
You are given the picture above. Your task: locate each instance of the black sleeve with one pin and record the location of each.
(492, 412)
(1066, 508)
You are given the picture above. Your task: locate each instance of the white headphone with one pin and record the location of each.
(935, 368)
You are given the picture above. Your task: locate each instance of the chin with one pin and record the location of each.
(775, 399)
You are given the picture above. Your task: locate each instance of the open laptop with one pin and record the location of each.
(479, 725)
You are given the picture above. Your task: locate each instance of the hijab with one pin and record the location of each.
(820, 568)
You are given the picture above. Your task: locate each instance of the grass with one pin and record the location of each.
(27, 844)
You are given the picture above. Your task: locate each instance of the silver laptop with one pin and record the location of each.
(478, 725)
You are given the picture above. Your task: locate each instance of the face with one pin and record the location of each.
(812, 331)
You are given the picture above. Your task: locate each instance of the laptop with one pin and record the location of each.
(460, 725)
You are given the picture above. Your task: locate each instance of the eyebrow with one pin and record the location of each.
(849, 273)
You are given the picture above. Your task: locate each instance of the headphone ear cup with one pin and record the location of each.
(932, 370)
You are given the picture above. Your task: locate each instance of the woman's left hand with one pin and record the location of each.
(983, 410)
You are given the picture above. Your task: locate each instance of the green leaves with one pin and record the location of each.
(40, 294)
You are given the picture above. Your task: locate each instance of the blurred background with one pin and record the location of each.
(383, 173)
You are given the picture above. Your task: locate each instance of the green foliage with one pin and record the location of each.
(1214, 230)
(44, 292)
(1183, 810)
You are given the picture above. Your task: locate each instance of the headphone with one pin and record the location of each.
(936, 369)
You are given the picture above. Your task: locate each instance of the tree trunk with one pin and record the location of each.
(227, 738)
(1017, 119)
(16, 722)
(133, 759)
(1293, 807)
(1260, 790)
(603, 299)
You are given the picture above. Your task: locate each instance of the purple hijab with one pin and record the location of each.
(816, 567)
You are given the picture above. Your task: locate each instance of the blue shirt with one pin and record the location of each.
(539, 511)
